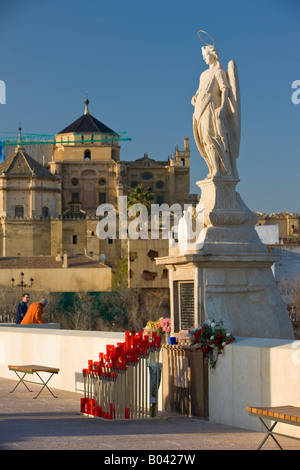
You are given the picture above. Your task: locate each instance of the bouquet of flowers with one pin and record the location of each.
(211, 338)
(165, 325)
(160, 326)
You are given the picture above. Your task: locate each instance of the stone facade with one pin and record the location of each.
(288, 224)
(48, 208)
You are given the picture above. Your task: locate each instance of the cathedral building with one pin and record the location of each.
(88, 165)
(49, 208)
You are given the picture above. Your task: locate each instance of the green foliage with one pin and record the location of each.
(120, 276)
(83, 310)
(140, 195)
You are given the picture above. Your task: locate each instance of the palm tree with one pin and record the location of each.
(140, 195)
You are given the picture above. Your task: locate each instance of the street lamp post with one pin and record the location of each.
(22, 283)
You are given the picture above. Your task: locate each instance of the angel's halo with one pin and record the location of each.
(202, 31)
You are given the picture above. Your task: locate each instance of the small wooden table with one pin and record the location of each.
(284, 414)
(33, 369)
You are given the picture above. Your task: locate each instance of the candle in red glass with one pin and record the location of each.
(91, 406)
(82, 405)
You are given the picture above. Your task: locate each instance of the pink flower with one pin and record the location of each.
(166, 325)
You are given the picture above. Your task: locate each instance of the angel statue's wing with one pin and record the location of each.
(234, 110)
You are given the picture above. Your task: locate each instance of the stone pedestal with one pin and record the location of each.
(230, 277)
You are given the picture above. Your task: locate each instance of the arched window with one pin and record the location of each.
(19, 211)
(87, 155)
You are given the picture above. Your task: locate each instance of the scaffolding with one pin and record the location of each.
(11, 139)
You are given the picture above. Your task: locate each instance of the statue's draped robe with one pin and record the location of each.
(218, 139)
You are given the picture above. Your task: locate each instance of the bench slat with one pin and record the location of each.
(288, 412)
(34, 368)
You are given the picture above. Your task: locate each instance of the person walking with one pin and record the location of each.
(22, 308)
(34, 313)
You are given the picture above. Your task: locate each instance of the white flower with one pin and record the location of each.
(212, 324)
(224, 343)
(211, 338)
(227, 334)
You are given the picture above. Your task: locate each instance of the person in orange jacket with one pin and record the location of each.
(34, 313)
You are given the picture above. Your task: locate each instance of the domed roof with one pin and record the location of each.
(21, 164)
(87, 124)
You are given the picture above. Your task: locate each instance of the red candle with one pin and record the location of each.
(83, 402)
(91, 406)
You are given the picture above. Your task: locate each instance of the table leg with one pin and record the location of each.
(269, 434)
(20, 381)
(44, 385)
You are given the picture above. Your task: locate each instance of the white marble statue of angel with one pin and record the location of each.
(217, 116)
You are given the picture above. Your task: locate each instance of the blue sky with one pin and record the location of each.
(140, 63)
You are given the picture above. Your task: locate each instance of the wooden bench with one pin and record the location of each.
(33, 369)
(283, 414)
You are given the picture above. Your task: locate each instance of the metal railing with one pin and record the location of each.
(7, 317)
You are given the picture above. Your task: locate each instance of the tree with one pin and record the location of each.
(140, 195)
